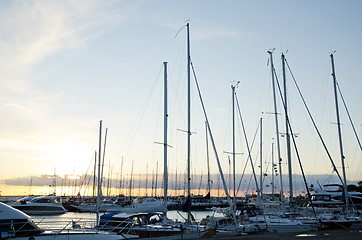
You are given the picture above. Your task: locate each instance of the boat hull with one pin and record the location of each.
(335, 224)
(171, 232)
(41, 210)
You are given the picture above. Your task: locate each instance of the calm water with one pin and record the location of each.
(89, 219)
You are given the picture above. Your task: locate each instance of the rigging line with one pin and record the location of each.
(180, 30)
(213, 144)
(295, 147)
(247, 160)
(176, 87)
(327, 179)
(247, 190)
(266, 170)
(349, 116)
(87, 188)
(314, 124)
(247, 145)
(86, 173)
(140, 115)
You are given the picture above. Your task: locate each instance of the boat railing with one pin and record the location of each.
(123, 226)
(17, 228)
(58, 226)
(82, 225)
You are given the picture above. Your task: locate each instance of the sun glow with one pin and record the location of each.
(68, 157)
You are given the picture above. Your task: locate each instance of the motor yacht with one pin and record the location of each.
(43, 205)
(139, 205)
(18, 225)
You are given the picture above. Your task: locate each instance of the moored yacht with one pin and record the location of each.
(331, 197)
(44, 205)
(16, 224)
(274, 224)
(139, 205)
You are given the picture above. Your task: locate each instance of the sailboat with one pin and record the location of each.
(257, 216)
(329, 221)
(333, 221)
(18, 225)
(273, 223)
(168, 229)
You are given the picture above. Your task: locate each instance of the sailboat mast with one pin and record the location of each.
(188, 120)
(131, 182)
(146, 183)
(165, 176)
(109, 176)
(339, 134)
(287, 136)
(94, 173)
(156, 179)
(104, 153)
(121, 180)
(99, 170)
(31, 184)
(272, 152)
(233, 100)
(176, 182)
(277, 133)
(208, 160)
(261, 158)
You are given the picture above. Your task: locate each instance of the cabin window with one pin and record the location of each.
(43, 200)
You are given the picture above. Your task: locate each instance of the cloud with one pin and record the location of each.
(139, 181)
(32, 33)
(34, 30)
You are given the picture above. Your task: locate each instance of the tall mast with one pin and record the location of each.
(153, 182)
(131, 182)
(121, 180)
(54, 184)
(233, 100)
(339, 134)
(188, 120)
(31, 184)
(109, 176)
(104, 154)
(165, 176)
(208, 160)
(94, 173)
(287, 136)
(156, 179)
(99, 170)
(277, 133)
(272, 152)
(261, 158)
(146, 180)
(176, 182)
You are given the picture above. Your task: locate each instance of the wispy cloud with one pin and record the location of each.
(32, 32)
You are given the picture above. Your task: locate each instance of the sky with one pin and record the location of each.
(66, 65)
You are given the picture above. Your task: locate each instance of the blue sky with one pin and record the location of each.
(66, 65)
